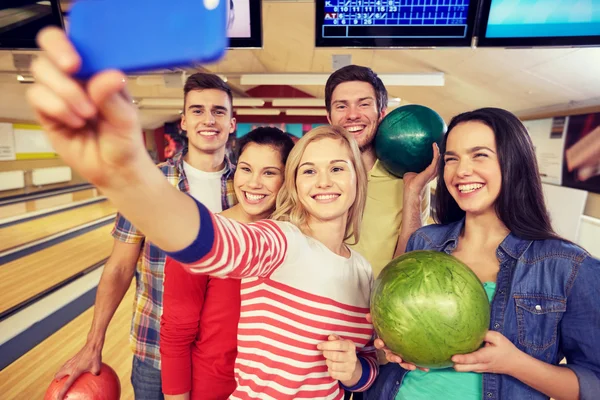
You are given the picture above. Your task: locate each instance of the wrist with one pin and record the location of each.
(128, 175)
(412, 198)
(95, 342)
(519, 363)
(356, 375)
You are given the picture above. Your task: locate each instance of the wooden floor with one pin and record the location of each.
(29, 376)
(25, 277)
(22, 279)
(22, 233)
(45, 203)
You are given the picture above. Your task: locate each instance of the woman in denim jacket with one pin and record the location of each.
(544, 291)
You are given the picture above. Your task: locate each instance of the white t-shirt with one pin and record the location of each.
(205, 186)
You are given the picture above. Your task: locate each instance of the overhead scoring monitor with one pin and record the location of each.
(394, 23)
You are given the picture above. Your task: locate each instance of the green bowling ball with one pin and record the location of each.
(405, 137)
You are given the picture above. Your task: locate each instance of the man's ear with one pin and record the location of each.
(232, 125)
(383, 113)
(183, 123)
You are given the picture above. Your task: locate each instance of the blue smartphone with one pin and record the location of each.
(138, 35)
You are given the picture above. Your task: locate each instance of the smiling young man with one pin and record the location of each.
(356, 100)
(203, 171)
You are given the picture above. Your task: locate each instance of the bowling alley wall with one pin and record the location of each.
(553, 136)
(28, 163)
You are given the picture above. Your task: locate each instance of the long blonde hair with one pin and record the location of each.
(288, 206)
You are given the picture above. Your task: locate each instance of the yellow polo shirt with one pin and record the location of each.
(382, 218)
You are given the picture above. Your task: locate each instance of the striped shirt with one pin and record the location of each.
(147, 309)
(295, 293)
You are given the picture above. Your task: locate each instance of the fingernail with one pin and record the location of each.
(66, 61)
(319, 346)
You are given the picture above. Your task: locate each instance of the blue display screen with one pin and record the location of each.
(543, 18)
(395, 18)
(381, 23)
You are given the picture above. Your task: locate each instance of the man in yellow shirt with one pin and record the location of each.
(356, 99)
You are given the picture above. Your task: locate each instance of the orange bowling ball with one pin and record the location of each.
(104, 386)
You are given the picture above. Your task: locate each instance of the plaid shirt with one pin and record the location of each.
(144, 336)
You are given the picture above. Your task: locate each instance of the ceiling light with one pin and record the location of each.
(150, 80)
(306, 111)
(298, 102)
(247, 102)
(258, 111)
(424, 79)
(25, 78)
(417, 79)
(394, 102)
(311, 102)
(161, 111)
(161, 103)
(178, 103)
(283, 79)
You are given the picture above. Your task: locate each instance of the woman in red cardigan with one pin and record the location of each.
(198, 330)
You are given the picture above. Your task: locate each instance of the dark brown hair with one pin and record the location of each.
(267, 136)
(352, 73)
(201, 80)
(520, 204)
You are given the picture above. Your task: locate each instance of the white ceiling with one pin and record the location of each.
(521, 80)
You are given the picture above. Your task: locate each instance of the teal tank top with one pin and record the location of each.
(446, 384)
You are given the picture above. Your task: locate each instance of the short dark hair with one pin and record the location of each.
(202, 80)
(351, 73)
(267, 136)
(520, 204)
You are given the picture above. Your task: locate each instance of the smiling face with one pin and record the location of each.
(207, 120)
(326, 180)
(354, 107)
(258, 178)
(471, 167)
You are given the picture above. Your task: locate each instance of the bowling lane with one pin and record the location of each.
(46, 203)
(29, 376)
(19, 234)
(29, 276)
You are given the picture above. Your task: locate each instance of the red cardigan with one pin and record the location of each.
(198, 334)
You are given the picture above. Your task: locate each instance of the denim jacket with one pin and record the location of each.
(547, 303)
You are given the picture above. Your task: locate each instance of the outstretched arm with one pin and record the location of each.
(95, 129)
